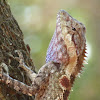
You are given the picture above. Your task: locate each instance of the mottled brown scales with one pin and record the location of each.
(64, 81)
(64, 60)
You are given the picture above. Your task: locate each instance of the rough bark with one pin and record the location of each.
(11, 39)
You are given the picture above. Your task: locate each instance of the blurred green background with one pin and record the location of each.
(37, 19)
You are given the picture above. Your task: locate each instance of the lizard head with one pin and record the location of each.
(71, 29)
(69, 34)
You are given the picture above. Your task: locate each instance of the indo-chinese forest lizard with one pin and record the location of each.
(64, 60)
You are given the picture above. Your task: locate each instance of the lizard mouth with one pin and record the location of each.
(61, 17)
(64, 23)
(63, 13)
(61, 23)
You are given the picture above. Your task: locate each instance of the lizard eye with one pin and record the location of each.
(74, 29)
(83, 28)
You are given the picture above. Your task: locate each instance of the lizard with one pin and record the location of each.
(64, 60)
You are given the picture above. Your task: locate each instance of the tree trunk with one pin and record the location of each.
(11, 39)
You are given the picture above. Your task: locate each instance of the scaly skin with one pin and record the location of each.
(64, 61)
(67, 48)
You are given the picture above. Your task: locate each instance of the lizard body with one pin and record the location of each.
(67, 48)
(64, 60)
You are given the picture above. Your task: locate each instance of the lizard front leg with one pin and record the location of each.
(15, 84)
(39, 83)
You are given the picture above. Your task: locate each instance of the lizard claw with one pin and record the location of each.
(4, 67)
